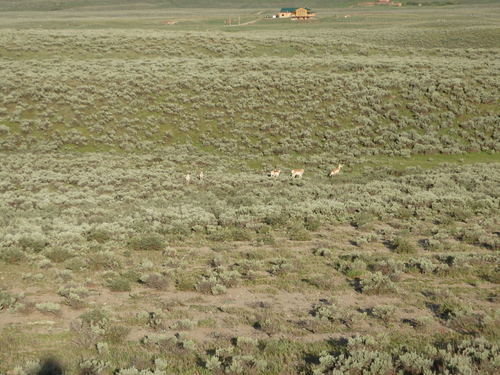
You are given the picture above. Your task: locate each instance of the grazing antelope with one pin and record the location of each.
(187, 178)
(201, 176)
(297, 173)
(275, 173)
(336, 170)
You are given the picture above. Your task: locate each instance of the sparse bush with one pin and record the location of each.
(7, 300)
(324, 252)
(115, 333)
(74, 296)
(12, 255)
(149, 242)
(330, 312)
(312, 223)
(49, 307)
(388, 267)
(363, 220)
(403, 245)
(155, 280)
(279, 266)
(59, 254)
(299, 233)
(119, 285)
(246, 344)
(92, 366)
(184, 324)
(384, 312)
(99, 235)
(268, 324)
(370, 357)
(265, 239)
(351, 267)
(423, 265)
(376, 283)
(35, 243)
(102, 348)
(103, 260)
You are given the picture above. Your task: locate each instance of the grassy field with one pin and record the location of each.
(111, 262)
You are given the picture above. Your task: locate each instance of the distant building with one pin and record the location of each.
(295, 13)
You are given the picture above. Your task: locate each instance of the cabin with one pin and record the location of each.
(295, 13)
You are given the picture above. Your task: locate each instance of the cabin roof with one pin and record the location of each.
(291, 10)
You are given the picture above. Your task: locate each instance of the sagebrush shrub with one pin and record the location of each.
(377, 283)
(403, 245)
(150, 242)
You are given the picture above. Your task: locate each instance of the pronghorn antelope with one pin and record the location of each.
(275, 173)
(201, 176)
(187, 178)
(297, 173)
(336, 170)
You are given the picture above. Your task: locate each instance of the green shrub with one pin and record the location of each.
(92, 366)
(363, 220)
(59, 254)
(48, 307)
(116, 334)
(403, 245)
(12, 255)
(384, 312)
(323, 252)
(150, 242)
(331, 312)
(354, 267)
(119, 284)
(265, 239)
(268, 324)
(278, 219)
(280, 266)
(103, 260)
(312, 223)
(74, 296)
(299, 233)
(376, 283)
(246, 344)
(389, 267)
(184, 324)
(423, 265)
(227, 234)
(366, 355)
(34, 244)
(7, 300)
(99, 235)
(155, 280)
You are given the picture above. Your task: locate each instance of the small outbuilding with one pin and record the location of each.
(296, 13)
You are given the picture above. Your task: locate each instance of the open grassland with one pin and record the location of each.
(114, 264)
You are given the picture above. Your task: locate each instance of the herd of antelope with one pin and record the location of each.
(299, 172)
(188, 177)
(274, 173)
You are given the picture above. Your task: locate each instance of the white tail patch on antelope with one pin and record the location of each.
(297, 173)
(187, 178)
(201, 176)
(336, 170)
(275, 173)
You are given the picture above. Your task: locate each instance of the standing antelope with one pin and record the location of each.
(336, 170)
(200, 176)
(275, 173)
(297, 173)
(187, 178)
